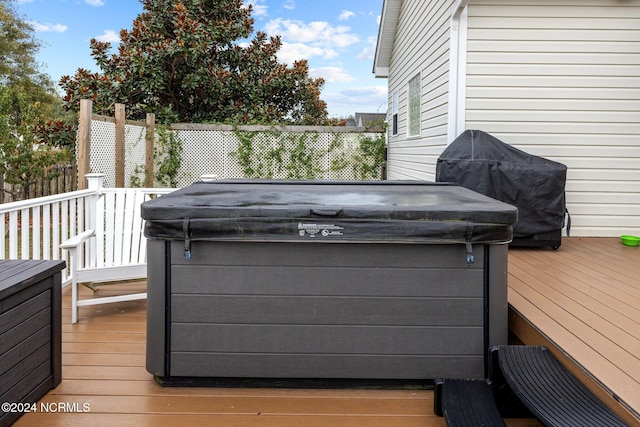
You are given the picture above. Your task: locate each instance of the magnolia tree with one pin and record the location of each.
(196, 61)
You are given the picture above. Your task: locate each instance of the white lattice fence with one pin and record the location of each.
(103, 148)
(204, 153)
(210, 150)
(134, 149)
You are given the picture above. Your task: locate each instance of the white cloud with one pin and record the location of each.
(302, 40)
(371, 99)
(48, 28)
(24, 1)
(367, 90)
(289, 4)
(109, 36)
(290, 52)
(317, 33)
(259, 9)
(345, 15)
(94, 2)
(332, 74)
(369, 51)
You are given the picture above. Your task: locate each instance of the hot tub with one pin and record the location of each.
(325, 280)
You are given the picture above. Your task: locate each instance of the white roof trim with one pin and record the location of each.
(386, 37)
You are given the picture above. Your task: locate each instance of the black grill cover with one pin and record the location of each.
(535, 185)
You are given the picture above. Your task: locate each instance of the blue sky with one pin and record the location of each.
(336, 37)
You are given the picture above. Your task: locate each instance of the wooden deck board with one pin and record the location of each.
(261, 420)
(579, 320)
(104, 366)
(584, 300)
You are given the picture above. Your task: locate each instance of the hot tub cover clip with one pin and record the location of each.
(470, 257)
(187, 239)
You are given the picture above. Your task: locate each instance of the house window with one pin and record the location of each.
(394, 114)
(414, 106)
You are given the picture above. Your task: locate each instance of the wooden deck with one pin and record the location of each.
(584, 298)
(583, 301)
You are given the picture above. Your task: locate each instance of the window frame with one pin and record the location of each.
(394, 114)
(414, 96)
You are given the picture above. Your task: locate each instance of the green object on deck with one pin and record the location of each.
(630, 240)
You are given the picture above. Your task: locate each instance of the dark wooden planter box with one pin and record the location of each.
(30, 332)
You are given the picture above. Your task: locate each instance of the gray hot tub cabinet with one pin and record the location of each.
(325, 280)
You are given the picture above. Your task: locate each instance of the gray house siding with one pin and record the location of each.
(555, 78)
(561, 80)
(421, 46)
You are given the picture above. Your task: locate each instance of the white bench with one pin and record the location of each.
(113, 247)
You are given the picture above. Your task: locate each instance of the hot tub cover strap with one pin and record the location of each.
(187, 239)
(468, 238)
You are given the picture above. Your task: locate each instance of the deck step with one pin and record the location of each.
(467, 403)
(552, 393)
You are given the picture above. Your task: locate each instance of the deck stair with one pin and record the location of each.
(467, 403)
(552, 393)
(523, 381)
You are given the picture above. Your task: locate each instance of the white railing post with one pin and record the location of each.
(95, 183)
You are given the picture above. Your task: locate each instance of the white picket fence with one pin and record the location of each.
(35, 228)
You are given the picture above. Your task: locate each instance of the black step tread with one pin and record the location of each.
(552, 393)
(469, 403)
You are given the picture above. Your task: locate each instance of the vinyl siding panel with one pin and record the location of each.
(421, 46)
(561, 79)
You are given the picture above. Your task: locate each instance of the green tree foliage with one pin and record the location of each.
(193, 61)
(33, 139)
(18, 68)
(29, 147)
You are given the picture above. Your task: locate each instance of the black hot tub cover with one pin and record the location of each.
(483, 163)
(328, 211)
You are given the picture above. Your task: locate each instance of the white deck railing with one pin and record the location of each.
(35, 228)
